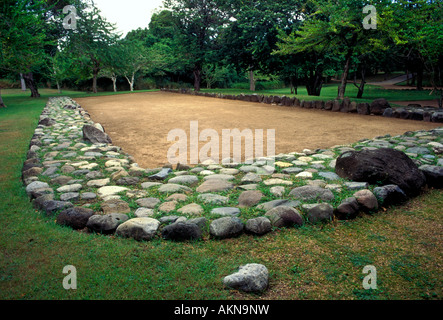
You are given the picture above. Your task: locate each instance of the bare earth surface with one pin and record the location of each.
(140, 123)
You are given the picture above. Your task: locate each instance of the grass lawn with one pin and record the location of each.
(329, 92)
(313, 262)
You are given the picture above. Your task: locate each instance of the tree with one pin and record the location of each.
(200, 23)
(253, 34)
(213, 73)
(134, 59)
(335, 27)
(417, 27)
(23, 39)
(88, 44)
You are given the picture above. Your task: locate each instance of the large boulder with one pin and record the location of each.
(381, 166)
(95, 135)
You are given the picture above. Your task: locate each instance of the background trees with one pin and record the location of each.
(223, 42)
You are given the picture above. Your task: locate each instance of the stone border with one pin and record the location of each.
(379, 107)
(74, 173)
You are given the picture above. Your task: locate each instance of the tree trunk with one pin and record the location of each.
(2, 104)
(344, 78)
(22, 82)
(94, 80)
(197, 78)
(251, 80)
(131, 82)
(294, 84)
(59, 89)
(420, 76)
(114, 83)
(361, 87)
(30, 83)
(314, 82)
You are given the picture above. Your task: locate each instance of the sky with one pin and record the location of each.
(128, 14)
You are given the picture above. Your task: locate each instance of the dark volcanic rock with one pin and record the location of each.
(382, 166)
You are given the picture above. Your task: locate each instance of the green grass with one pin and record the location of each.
(329, 92)
(322, 261)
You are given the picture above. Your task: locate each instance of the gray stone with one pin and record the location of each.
(311, 192)
(434, 175)
(88, 196)
(226, 211)
(318, 212)
(212, 198)
(140, 229)
(186, 179)
(168, 219)
(249, 278)
(144, 212)
(292, 170)
(258, 226)
(98, 183)
(278, 203)
(284, 217)
(76, 217)
(356, 185)
(390, 194)
(191, 209)
(249, 198)
(148, 185)
(214, 185)
(36, 185)
(329, 175)
(251, 177)
(418, 150)
(162, 175)
(173, 188)
(50, 171)
(348, 209)
(95, 136)
(70, 188)
(70, 196)
(115, 206)
(367, 200)
(277, 191)
(226, 227)
(52, 206)
(202, 222)
(226, 177)
(248, 168)
(149, 203)
(182, 231)
(127, 181)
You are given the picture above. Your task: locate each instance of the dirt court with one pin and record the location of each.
(140, 123)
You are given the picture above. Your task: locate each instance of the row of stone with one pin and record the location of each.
(379, 107)
(68, 127)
